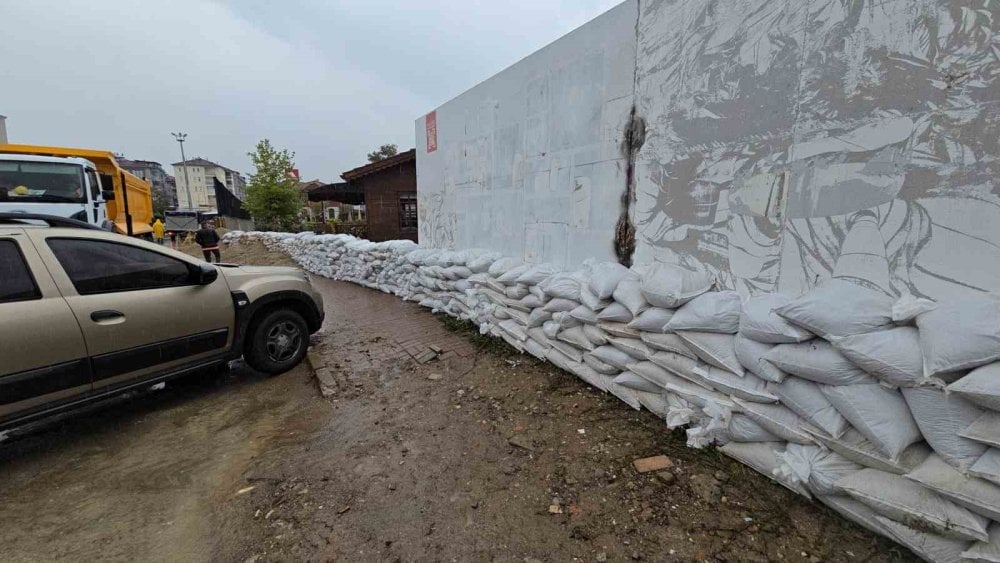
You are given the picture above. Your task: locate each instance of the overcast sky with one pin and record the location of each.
(327, 79)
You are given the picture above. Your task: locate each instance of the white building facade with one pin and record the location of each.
(202, 173)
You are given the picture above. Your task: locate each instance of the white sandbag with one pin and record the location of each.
(565, 321)
(880, 414)
(576, 337)
(806, 399)
(534, 348)
(929, 547)
(551, 328)
(559, 305)
(985, 552)
(856, 447)
(653, 373)
(941, 417)
(520, 316)
(893, 356)
(764, 458)
(514, 329)
(959, 335)
(588, 298)
(978, 495)
(618, 329)
(510, 276)
(570, 351)
(514, 342)
(634, 381)
(748, 387)
(713, 348)
(750, 354)
(596, 336)
(599, 366)
(628, 396)
(716, 311)
(701, 397)
(986, 429)
(652, 320)
(538, 335)
(988, 466)
(839, 308)
(516, 291)
(537, 274)
(584, 314)
(679, 411)
(777, 420)
(981, 386)
(818, 361)
(682, 366)
(906, 309)
(855, 511)
(827, 468)
(613, 356)
(615, 313)
(482, 263)
(668, 342)
(628, 293)
(538, 317)
(913, 505)
(564, 285)
(654, 403)
(742, 428)
(759, 322)
(604, 278)
(670, 286)
(631, 346)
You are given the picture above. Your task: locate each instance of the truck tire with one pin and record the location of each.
(277, 342)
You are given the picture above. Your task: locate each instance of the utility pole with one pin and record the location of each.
(187, 183)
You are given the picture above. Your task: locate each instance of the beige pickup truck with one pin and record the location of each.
(86, 314)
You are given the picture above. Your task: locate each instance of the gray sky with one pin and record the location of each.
(327, 79)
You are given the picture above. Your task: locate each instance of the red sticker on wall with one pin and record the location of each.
(431, 122)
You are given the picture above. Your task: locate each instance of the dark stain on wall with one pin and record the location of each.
(635, 136)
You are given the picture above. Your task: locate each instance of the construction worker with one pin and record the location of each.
(158, 231)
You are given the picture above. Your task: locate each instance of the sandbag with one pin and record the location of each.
(537, 274)
(563, 285)
(750, 354)
(713, 348)
(615, 313)
(906, 309)
(570, 351)
(634, 381)
(560, 305)
(631, 346)
(817, 361)
(854, 511)
(576, 337)
(652, 320)
(628, 396)
(613, 356)
(941, 417)
(893, 356)
(806, 399)
(981, 386)
(839, 308)
(538, 335)
(588, 298)
(929, 547)
(988, 551)
(599, 366)
(742, 428)
(482, 263)
(604, 278)
(628, 293)
(620, 330)
(538, 317)
(828, 468)
(880, 414)
(717, 311)
(777, 420)
(683, 366)
(551, 328)
(988, 466)
(668, 342)
(596, 336)
(534, 348)
(764, 458)
(584, 314)
(959, 335)
(986, 429)
(759, 322)
(913, 505)
(510, 276)
(514, 329)
(977, 495)
(856, 447)
(653, 373)
(516, 291)
(654, 403)
(670, 286)
(749, 387)
(502, 266)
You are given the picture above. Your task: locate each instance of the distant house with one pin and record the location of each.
(202, 174)
(390, 195)
(153, 173)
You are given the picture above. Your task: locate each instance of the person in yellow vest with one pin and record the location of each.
(158, 231)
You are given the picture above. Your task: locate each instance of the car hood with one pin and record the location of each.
(232, 271)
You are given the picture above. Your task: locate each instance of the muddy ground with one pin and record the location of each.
(477, 457)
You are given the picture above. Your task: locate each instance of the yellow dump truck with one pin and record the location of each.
(83, 184)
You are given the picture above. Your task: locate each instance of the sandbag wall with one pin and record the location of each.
(885, 409)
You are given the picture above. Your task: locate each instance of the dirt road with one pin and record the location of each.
(477, 454)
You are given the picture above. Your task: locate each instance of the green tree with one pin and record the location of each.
(272, 195)
(383, 152)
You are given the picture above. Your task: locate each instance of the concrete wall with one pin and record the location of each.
(528, 162)
(786, 141)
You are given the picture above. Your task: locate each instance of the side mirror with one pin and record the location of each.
(204, 274)
(108, 195)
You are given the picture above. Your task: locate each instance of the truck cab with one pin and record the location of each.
(53, 185)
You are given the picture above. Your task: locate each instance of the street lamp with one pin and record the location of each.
(187, 183)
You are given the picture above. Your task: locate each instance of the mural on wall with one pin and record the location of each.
(791, 141)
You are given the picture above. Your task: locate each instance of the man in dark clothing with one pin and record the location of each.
(208, 239)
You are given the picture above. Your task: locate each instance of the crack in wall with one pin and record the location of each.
(635, 136)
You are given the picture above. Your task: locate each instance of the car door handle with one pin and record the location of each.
(106, 315)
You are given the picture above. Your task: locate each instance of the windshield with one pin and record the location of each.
(41, 182)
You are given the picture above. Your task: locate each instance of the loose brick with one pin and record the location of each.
(655, 463)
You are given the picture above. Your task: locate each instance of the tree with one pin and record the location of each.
(383, 152)
(272, 196)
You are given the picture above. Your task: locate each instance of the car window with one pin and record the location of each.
(17, 283)
(96, 266)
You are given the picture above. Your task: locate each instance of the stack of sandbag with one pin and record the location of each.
(885, 409)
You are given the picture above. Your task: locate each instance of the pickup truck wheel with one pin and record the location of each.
(278, 342)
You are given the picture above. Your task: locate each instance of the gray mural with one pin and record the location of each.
(791, 141)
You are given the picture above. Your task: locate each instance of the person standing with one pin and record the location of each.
(158, 231)
(208, 239)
